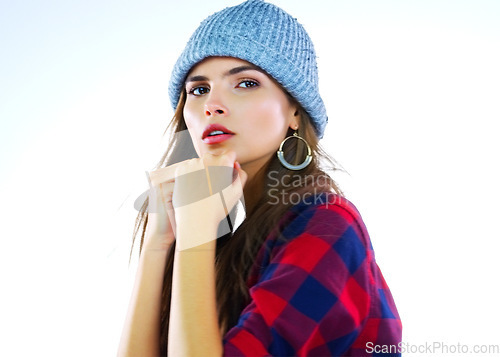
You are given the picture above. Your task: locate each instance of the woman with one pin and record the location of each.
(298, 276)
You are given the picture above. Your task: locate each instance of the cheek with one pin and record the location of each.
(193, 128)
(188, 117)
(191, 119)
(270, 118)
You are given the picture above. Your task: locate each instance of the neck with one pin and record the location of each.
(253, 188)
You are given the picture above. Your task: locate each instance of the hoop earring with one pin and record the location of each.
(285, 163)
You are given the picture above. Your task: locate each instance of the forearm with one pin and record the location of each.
(141, 333)
(193, 327)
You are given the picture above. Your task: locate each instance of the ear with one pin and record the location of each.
(294, 117)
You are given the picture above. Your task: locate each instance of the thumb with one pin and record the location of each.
(234, 191)
(241, 174)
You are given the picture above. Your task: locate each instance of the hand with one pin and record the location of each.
(197, 192)
(160, 231)
(205, 190)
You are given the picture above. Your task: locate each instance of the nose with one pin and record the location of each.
(214, 107)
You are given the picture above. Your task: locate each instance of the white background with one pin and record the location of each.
(412, 92)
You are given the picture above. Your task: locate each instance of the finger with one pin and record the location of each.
(191, 183)
(188, 166)
(160, 196)
(219, 170)
(162, 175)
(234, 192)
(167, 190)
(241, 173)
(171, 215)
(167, 174)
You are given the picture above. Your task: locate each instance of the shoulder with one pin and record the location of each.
(320, 274)
(324, 228)
(327, 216)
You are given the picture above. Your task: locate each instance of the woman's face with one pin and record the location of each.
(232, 105)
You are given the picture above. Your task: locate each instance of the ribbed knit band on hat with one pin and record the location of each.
(265, 35)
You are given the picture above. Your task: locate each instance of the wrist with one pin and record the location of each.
(152, 260)
(196, 235)
(156, 244)
(204, 248)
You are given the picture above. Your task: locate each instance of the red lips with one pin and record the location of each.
(219, 134)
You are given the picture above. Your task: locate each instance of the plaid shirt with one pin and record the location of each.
(317, 291)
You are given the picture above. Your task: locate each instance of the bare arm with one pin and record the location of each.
(141, 333)
(194, 327)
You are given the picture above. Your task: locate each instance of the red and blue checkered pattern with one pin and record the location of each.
(316, 290)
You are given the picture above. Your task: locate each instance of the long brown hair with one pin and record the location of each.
(236, 252)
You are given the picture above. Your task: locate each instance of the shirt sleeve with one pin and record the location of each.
(319, 292)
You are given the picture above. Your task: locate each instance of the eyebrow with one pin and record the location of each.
(232, 71)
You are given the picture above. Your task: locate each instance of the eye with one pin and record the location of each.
(248, 83)
(199, 90)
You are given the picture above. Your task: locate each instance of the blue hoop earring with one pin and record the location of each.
(285, 163)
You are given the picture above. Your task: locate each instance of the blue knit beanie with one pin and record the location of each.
(266, 36)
